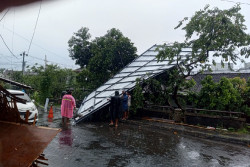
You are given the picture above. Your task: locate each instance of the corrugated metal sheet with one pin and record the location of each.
(145, 66)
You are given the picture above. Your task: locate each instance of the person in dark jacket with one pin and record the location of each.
(124, 105)
(115, 109)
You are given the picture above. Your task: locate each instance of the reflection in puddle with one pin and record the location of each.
(193, 154)
(65, 137)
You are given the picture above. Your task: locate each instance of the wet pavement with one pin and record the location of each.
(96, 144)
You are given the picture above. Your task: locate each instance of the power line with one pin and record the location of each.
(7, 46)
(31, 40)
(33, 64)
(65, 65)
(30, 63)
(7, 59)
(34, 43)
(49, 61)
(4, 55)
(13, 30)
(5, 14)
(36, 58)
(35, 26)
(241, 3)
(6, 64)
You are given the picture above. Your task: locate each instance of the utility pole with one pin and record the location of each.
(46, 61)
(23, 65)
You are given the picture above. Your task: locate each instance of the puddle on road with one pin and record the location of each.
(97, 144)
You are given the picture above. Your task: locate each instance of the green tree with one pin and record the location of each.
(246, 97)
(2, 70)
(17, 76)
(138, 98)
(3, 84)
(80, 47)
(228, 95)
(243, 87)
(159, 90)
(220, 31)
(49, 82)
(153, 92)
(114, 52)
(207, 95)
(102, 57)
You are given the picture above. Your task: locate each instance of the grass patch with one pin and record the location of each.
(243, 130)
(230, 129)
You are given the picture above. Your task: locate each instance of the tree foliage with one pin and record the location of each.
(80, 47)
(103, 57)
(219, 31)
(138, 98)
(227, 95)
(154, 92)
(158, 90)
(47, 83)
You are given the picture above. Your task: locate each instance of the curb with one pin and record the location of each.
(195, 131)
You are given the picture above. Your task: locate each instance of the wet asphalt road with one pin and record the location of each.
(96, 144)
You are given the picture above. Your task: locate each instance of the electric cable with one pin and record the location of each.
(24, 38)
(2, 36)
(34, 43)
(7, 46)
(4, 14)
(65, 65)
(241, 3)
(4, 55)
(35, 26)
(13, 27)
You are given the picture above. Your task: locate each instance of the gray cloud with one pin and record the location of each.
(145, 22)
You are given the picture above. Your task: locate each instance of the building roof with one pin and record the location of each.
(15, 83)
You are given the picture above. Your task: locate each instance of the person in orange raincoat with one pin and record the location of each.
(67, 107)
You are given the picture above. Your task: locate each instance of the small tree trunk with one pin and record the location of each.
(168, 103)
(175, 97)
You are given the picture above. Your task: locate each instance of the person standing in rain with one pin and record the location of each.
(129, 103)
(67, 107)
(124, 105)
(115, 109)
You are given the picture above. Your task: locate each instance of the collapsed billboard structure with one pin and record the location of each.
(144, 67)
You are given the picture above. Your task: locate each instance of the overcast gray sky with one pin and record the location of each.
(145, 22)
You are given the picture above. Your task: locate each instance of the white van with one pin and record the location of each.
(22, 108)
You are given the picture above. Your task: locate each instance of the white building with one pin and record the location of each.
(219, 68)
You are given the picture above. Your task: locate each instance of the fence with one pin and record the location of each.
(196, 116)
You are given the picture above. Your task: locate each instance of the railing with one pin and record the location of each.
(197, 111)
(215, 112)
(159, 107)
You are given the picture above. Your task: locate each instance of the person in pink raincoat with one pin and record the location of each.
(68, 104)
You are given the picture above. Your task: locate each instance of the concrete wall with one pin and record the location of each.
(214, 121)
